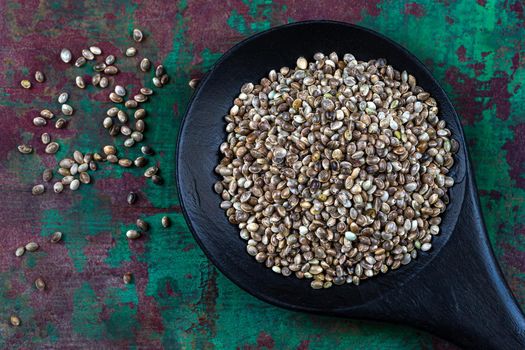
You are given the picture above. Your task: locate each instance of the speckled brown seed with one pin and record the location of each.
(166, 222)
(15, 320)
(137, 35)
(80, 62)
(110, 70)
(131, 51)
(142, 225)
(60, 123)
(47, 175)
(39, 76)
(131, 198)
(25, 149)
(56, 237)
(32, 246)
(26, 84)
(20, 251)
(52, 148)
(132, 234)
(151, 171)
(45, 138)
(104, 82)
(127, 278)
(145, 65)
(65, 55)
(140, 162)
(40, 284)
(157, 179)
(193, 83)
(109, 60)
(38, 190)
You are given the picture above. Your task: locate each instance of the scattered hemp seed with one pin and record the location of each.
(40, 284)
(127, 278)
(137, 35)
(165, 221)
(193, 83)
(15, 320)
(56, 237)
(65, 55)
(131, 198)
(26, 84)
(132, 234)
(39, 76)
(31, 246)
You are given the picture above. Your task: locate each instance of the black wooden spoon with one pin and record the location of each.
(455, 291)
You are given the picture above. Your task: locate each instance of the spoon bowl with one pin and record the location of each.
(455, 290)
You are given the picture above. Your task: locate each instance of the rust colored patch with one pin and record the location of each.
(482, 2)
(414, 9)
(461, 52)
(449, 20)
(516, 156)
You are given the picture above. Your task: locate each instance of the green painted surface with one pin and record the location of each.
(178, 300)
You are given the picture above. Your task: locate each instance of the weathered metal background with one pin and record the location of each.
(178, 300)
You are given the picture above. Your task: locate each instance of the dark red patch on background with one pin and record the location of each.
(449, 20)
(188, 247)
(264, 340)
(474, 96)
(515, 62)
(305, 344)
(482, 2)
(461, 52)
(478, 68)
(494, 195)
(517, 8)
(206, 307)
(207, 27)
(335, 10)
(516, 155)
(513, 256)
(414, 9)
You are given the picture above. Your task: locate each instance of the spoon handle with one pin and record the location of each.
(462, 296)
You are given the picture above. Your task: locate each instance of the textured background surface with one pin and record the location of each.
(178, 299)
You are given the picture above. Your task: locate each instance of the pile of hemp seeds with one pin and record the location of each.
(129, 121)
(335, 170)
